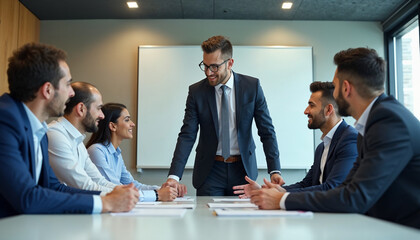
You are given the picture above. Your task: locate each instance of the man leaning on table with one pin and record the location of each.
(39, 83)
(334, 156)
(223, 106)
(384, 182)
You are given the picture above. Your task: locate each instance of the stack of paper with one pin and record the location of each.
(165, 205)
(232, 205)
(231, 200)
(153, 212)
(261, 213)
(184, 199)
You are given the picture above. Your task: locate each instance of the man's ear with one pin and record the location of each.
(328, 110)
(347, 89)
(80, 109)
(47, 91)
(230, 63)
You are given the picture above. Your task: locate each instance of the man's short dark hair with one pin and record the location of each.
(218, 42)
(30, 67)
(82, 93)
(363, 68)
(327, 90)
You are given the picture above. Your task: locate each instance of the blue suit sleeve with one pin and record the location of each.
(186, 137)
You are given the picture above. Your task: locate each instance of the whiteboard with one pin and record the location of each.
(166, 72)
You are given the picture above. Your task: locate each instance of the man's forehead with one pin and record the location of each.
(315, 97)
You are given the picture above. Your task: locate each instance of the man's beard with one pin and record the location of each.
(343, 105)
(89, 123)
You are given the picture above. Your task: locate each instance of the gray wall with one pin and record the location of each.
(104, 52)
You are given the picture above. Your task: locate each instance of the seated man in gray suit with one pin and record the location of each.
(334, 157)
(384, 182)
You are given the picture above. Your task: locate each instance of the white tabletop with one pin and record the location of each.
(201, 224)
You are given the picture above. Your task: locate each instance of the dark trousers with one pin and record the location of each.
(222, 178)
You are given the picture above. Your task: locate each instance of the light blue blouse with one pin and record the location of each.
(111, 165)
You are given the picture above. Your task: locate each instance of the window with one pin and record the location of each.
(404, 64)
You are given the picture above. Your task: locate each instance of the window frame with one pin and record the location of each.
(394, 57)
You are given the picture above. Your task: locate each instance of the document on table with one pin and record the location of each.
(223, 212)
(231, 200)
(232, 205)
(163, 205)
(184, 199)
(153, 212)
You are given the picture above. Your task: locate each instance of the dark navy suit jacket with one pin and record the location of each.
(201, 112)
(19, 193)
(340, 159)
(385, 180)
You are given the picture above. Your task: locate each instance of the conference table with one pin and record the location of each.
(201, 224)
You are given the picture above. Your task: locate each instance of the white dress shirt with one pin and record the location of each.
(360, 124)
(38, 132)
(327, 143)
(70, 160)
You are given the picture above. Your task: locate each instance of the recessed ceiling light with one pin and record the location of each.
(287, 5)
(132, 4)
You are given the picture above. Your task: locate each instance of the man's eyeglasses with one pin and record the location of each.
(212, 67)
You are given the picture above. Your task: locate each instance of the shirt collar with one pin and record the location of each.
(72, 130)
(112, 150)
(327, 138)
(361, 122)
(38, 129)
(229, 83)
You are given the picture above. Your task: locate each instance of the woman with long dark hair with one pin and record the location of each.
(104, 151)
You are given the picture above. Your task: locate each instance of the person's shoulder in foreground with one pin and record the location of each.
(388, 163)
(39, 86)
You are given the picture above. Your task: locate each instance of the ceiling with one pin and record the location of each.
(336, 10)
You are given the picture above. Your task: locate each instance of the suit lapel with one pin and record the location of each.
(211, 97)
(335, 138)
(238, 99)
(317, 164)
(43, 177)
(360, 145)
(29, 137)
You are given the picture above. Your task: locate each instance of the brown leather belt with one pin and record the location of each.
(231, 159)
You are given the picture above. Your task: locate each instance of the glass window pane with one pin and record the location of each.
(410, 84)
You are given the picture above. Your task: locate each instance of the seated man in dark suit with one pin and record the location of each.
(384, 182)
(39, 84)
(334, 157)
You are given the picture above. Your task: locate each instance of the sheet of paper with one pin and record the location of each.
(231, 200)
(261, 213)
(232, 205)
(184, 199)
(163, 205)
(147, 203)
(153, 212)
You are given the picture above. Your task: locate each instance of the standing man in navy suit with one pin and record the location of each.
(384, 182)
(223, 106)
(39, 83)
(334, 157)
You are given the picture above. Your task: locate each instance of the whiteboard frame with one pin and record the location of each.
(191, 67)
